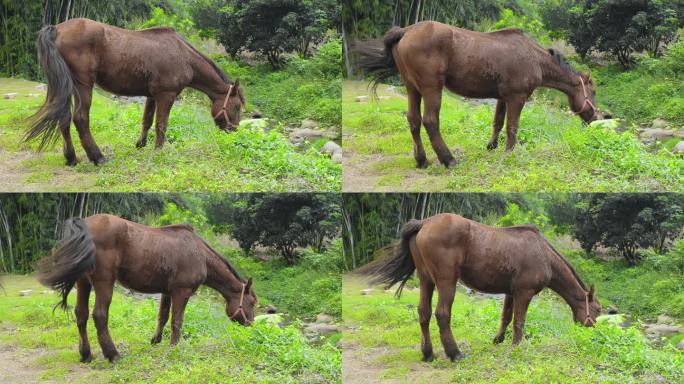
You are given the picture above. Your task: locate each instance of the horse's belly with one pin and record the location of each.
(124, 85)
(468, 86)
(486, 281)
(144, 284)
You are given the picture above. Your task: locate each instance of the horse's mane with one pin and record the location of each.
(560, 60)
(176, 227)
(223, 260)
(216, 68)
(574, 273)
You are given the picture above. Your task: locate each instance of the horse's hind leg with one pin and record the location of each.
(65, 129)
(433, 104)
(82, 296)
(521, 300)
(103, 298)
(415, 122)
(162, 318)
(148, 117)
(164, 103)
(447, 289)
(82, 122)
(499, 117)
(427, 287)
(506, 317)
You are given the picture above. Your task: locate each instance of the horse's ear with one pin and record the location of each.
(591, 293)
(552, 52)
(249, 284)
(237, 83)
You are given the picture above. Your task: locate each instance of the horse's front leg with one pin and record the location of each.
(514, 106)
(162, 318)
(506, 317)
(499, 117)
(521, 300)
(427, 287)
(433, 104)
(103, 298)
(447, 289)
(164, 103)
(179, 299)
(148, 117)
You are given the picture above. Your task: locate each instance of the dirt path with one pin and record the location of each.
(15, 175)
(20, 365)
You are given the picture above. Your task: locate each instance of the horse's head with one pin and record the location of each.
(583, 100)
(240, 307)
(587, 309)
(227, 107)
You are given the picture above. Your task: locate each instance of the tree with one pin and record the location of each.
(284, 221)
(629, 222)
(268, 27)
(618, 27)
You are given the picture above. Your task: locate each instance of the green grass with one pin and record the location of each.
(212, 350)
(555, 349)
(196, 157)
(555, 152)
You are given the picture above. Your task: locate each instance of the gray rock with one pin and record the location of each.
(361, 99)
(321, 329)
(664, 319)
(12, 95)
(337, 157)
(662, 329)
(256, 114)
(309, 124)
(612, 310)
(323, 318)
(298, 136)
(656, 134)
(680, 345)
(367, 291)
(41, 87)
(679, 148)
(271, 309)
(660, 123)
(331, 148)
(26, 292)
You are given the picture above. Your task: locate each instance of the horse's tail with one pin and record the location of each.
(56, 110)
(377, 61)
(70, 260)
(396, 264)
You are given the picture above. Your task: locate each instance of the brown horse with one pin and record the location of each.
(101, 249)
(156, 63)
(505, 65)
(516, 261)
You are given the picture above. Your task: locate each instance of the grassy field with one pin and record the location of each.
(36, 344)
(196, 157)
(555, 152)
(382, 344)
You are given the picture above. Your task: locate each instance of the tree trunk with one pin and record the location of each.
(64, 11)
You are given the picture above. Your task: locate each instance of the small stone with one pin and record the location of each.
(270, 309)
(337, 158)
(680, 345)
(660, 123)
(256, 114)
(321, 329)
(25, 292)
(662, 329)
(664, 319)
(41, 87)
(361, 99)
(656, 134)
(679, 148)
(612, 310)
(12, 95)
(309, 124)
(367, 291)
(331, 148)
(323, 318)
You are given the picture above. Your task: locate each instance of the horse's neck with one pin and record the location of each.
(566, 284)
(207, 80)
(556, 77)
(221, 278)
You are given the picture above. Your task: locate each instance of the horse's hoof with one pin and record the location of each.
(492, 146)
(86, 359)
(451, 163)
(114, 358)
(140, 144)
(156, 339)
(498, 339)
(100, 161)
(421, 164)
(428, 358)
(457, 357)
(71, 162)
